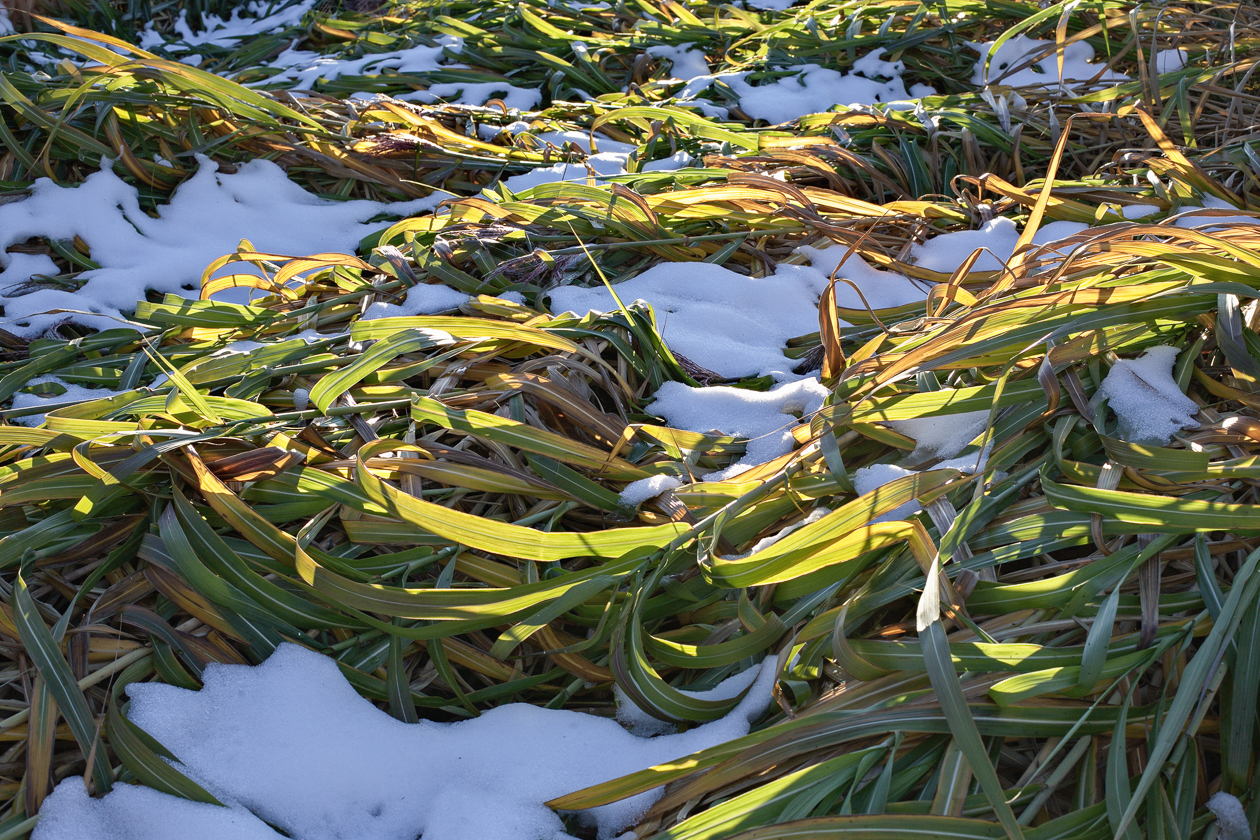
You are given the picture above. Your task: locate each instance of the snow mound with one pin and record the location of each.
(638, 492)
(303, 68)
(1231, 819)
(815, 89)
(1079, 70)
(729, 323)
(259, 19)
(943, 436)
(1148, 403)
(686, 62)
(1211, 223)
(421, 299)
(764, 417)
(289, 742)
(207, 217)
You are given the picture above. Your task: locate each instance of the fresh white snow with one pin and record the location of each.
(607, 158)
(769, 5)
(947, 251)
(997, 237)
(290, 742)
(764, 417)
(259, 18)
(1168, 61)
(1146, 399)
(644, 725)
(1186, 218)
(421, 299)
(881, 289)
(814, 89)
(583, 140)
(1138, 211)
(1231, 817)
(303, 68)
(765, 542)
(869, 479)
(875, 476)
(737, 325)
(603, 164)
(488, 132)
(638, 492)
(942, 436)
(132, 812)
(1079, 69)
(479, 93)
(729, 323)
(686, 62)
(206, 218)
(72, 393)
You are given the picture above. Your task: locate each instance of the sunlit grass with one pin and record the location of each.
(1059, 647)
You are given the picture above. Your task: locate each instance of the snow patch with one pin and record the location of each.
(469, 93)
(1188, 219)
(604, 164)
(292, 742)
(132, 812)
(881, 289)
(421, 299)
(206, 218)
(869, 479)
(638, 492)
(1169, 61)
(946, 252)
(645, 726)
(303, 68)
(258, 19)
(1138, 211)
(815, 89)
(685, 61)
(729, 323)
(766, 418)
(1231, 819)
(764, 543)
(1079, 70)
(770, 5)
(875, 476)
(943, 436)
(607, 158)
(73, 393)
(1146, 399)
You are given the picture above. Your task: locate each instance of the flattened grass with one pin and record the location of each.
(1059, 647)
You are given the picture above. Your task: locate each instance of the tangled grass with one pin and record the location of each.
(1061, 646)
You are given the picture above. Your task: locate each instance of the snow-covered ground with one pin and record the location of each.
(289, 743)
(207, 217)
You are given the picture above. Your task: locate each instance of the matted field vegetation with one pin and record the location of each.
(1064, 645)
